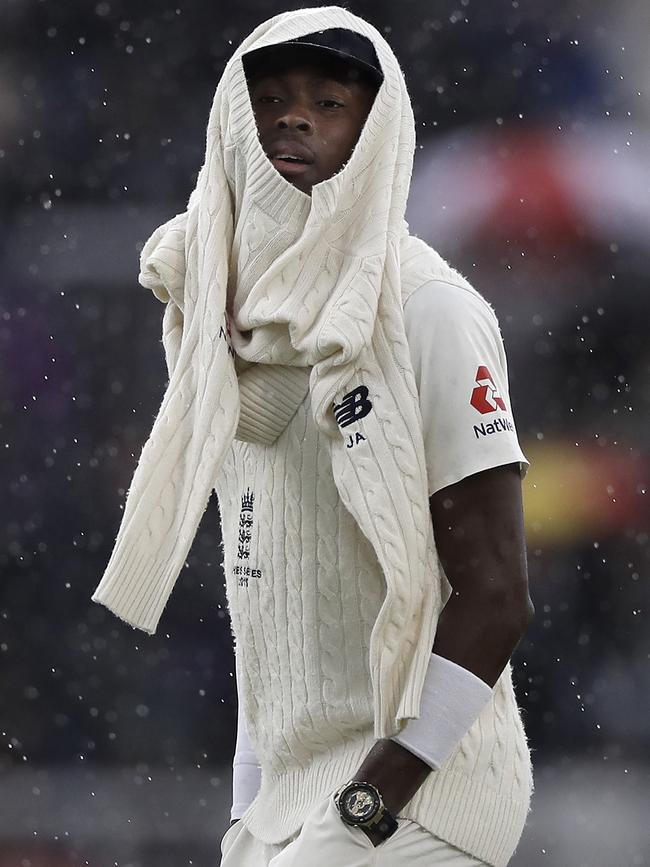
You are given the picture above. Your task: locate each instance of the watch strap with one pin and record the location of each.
(384, 824)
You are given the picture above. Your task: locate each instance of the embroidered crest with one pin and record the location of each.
(242, 570)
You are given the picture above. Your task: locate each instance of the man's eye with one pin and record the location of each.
(331, 103)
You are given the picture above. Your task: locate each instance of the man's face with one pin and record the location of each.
(313, 114)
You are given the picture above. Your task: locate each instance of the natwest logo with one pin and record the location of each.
(485, 397)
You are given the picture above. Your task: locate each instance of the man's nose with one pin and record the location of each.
(295, 119)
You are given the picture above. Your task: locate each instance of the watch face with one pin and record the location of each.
(360, 803)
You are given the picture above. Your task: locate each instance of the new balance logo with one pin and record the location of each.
(354, 406)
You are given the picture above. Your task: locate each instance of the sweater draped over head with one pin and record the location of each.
(271, 293)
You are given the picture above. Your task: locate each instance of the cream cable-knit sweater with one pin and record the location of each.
(304, 589)
(310, 283)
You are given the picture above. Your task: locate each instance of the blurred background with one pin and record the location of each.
(533, 177)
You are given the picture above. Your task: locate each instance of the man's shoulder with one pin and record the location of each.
(445, 300)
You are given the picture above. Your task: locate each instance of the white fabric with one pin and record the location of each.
(452, 699)
(325, 841)
(451, 333)
(246, 771)
(304, 593)
(309, 282)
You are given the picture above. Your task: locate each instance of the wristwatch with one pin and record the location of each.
(362, 806)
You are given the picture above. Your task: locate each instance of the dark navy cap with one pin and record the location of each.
(336, 44)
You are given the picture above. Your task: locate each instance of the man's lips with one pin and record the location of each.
(286, 167)
(279, 150)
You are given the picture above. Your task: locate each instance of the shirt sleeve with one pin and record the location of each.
(461, 374)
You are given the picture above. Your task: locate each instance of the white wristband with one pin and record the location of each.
(246, 772)
(452, 699)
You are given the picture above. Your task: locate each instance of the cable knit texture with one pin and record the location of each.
(256, 270)
(304, 602)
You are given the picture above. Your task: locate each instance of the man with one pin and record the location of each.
(353, 413)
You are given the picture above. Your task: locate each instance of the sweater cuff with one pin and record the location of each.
(270, 395)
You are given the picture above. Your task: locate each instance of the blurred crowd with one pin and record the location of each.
(532, 177)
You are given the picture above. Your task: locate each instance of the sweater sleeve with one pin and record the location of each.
(172, 335)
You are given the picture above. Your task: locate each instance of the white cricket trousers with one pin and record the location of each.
(325, 841)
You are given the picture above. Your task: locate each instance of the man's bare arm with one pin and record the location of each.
(479, 533)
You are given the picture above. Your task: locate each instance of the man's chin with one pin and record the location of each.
(300, 184)
(301, 181)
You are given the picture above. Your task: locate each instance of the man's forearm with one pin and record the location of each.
(480, 633)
